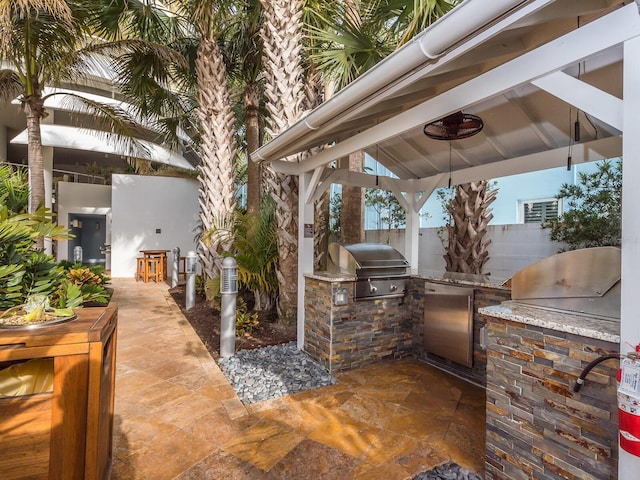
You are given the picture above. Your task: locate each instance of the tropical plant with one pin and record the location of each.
(51, 44)
(246, 321)
(14, 189)
(594, 208)
(390, 213)
(253, 243)
(216, 147)
(81, 285)
(243, 49)
(25, 271)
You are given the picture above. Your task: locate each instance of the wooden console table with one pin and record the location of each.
(66, 433)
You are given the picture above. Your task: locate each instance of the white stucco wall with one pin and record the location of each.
(81, 198)
(141, 206)
(512, 248)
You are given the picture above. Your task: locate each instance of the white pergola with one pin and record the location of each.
(529, 69)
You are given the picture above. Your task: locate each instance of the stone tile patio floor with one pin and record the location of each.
(177, 417)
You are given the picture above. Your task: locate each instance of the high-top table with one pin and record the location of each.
(162, 255)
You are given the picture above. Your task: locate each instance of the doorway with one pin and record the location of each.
(90, 235)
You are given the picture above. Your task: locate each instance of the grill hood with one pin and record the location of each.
(380, 270)
(585, 281)
(367, 259)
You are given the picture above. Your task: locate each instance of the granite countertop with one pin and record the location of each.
(462, 279)
(331, 276)
(586, 326)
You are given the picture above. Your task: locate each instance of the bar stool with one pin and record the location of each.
(153, 269)
(140, 271)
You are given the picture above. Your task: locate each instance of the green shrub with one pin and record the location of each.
(25, 271)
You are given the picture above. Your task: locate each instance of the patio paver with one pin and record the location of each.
(177, 417)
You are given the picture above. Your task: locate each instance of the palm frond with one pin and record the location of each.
(30, 9)
(11, 85)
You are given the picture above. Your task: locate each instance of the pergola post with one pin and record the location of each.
(411, 234)
(629, 465)
(305, 246)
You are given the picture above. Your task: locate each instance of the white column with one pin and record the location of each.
(47, 161)
(305, 248)
(629, 465)
(411, 234)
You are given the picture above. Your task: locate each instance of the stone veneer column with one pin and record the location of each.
(537, 427)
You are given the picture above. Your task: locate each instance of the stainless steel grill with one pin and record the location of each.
(380, 270)
(585, 281)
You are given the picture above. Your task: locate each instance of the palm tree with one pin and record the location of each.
(37, 47)
(217, 146)
(51, 44)
(285, 92)
(244, 47)
(466, 249)
(348, 44)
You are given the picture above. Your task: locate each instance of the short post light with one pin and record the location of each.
(175, 272)
(229, 291)
(190, 289)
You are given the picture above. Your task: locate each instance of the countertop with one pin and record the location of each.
(586, 326)
(331, 276)
(462, 281)
(345, 277)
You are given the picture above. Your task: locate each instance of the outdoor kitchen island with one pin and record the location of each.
(537, 426)
(342, 331)
(564, 314)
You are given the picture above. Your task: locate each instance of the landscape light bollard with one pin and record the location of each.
(190, 289)
(77, 254)
(175, 273)
(229, 291)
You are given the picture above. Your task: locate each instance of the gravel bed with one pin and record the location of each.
(448, 471)
(271, 372)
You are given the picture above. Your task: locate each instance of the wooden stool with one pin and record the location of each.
(153, 269)
(182, 262)
(140, 274)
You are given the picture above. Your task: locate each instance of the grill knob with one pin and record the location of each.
(393, 287)
(372, 288)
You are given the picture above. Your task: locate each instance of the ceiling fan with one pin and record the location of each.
(454, 127)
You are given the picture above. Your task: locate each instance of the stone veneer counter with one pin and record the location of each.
(586, 326)
(537, 426)
(356, 333)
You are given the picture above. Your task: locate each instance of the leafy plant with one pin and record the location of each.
(245, 321)
(253, 241)
(390, 212)
(26, 272)
(14, 189)
(593, 218)
(23, 270)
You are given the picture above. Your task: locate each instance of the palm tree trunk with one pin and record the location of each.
(352, 212)
(466, 251)
(217, 193)
(285, 91)
(34, 110)
(254, 182)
